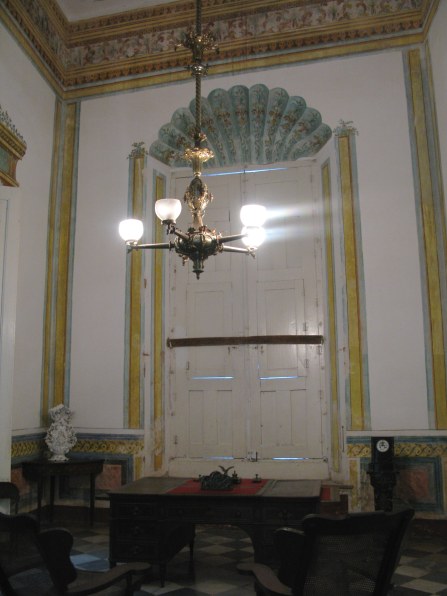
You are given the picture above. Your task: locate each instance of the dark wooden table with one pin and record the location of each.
(40, 469)
(142, 512)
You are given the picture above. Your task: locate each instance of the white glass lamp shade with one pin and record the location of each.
(168, 209)
(131, 230)
(253, 215)
(255, 236)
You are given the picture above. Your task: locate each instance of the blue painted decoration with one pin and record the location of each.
(253, 125)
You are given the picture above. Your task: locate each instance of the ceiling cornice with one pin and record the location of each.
(135, 48)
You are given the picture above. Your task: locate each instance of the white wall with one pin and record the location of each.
(108, 128)
(368, 90)
(30, 104)
(96, 390)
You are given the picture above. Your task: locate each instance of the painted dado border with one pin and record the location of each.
(85, 57)
(124, 451)
(421, 465)
(31, 445)
(128, 448)
(403, 447)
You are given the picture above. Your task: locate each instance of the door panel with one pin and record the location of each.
(234, 400)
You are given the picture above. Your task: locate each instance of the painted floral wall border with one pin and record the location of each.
(139, 42)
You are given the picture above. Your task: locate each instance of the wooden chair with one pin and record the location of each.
(350, 555)
(18, 552)
(49, 570)
(9, 491)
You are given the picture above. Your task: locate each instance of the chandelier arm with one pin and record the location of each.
(180, 234)
(168, 245)
(245, 251)
(231, 238)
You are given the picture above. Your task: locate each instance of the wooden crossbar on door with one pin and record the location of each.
(184, 342)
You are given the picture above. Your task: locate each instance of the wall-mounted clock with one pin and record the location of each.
(382, 445)
(382, 450)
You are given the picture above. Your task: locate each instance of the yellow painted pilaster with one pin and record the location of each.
(158, 347)
(355, 348)
(65, 209)
(138, 467)
(46, 375)
(59, 257)
(332, 331)
(137, 161)
(429, 225)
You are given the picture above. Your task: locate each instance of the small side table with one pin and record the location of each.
(40, 469)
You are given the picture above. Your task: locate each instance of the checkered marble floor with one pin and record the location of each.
(422, 569)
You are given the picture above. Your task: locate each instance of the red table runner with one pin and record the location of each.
(193, 487)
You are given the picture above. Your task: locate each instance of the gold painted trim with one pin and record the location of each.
(138, 467)
(332, 332)
(245, 65)
(31, 52)
(158, 344)
(429, 15)
(440, 184)
(10, 141)
(64, 256)
(357, 405)
(430, 240)
(131, 446)
(47, 351)
(6, 180)
(135, 314)
(26, 448)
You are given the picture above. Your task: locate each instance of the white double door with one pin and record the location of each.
(257, 401)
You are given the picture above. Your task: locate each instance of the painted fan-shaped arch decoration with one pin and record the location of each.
(244, 125)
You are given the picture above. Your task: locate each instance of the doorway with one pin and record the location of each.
(260, 404)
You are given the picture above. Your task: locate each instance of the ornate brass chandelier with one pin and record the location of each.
(199, 242)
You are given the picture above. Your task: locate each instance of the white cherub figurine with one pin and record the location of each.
(60, 437)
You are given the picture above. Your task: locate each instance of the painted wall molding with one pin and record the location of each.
(432, 232)
(92, 53)
(134, 318)
(357, 385)
(60, 247)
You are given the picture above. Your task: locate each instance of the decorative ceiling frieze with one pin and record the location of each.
(94, 52)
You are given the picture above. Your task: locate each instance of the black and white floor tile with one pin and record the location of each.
(422, 569)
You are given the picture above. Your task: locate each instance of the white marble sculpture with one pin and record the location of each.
(60, 437)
